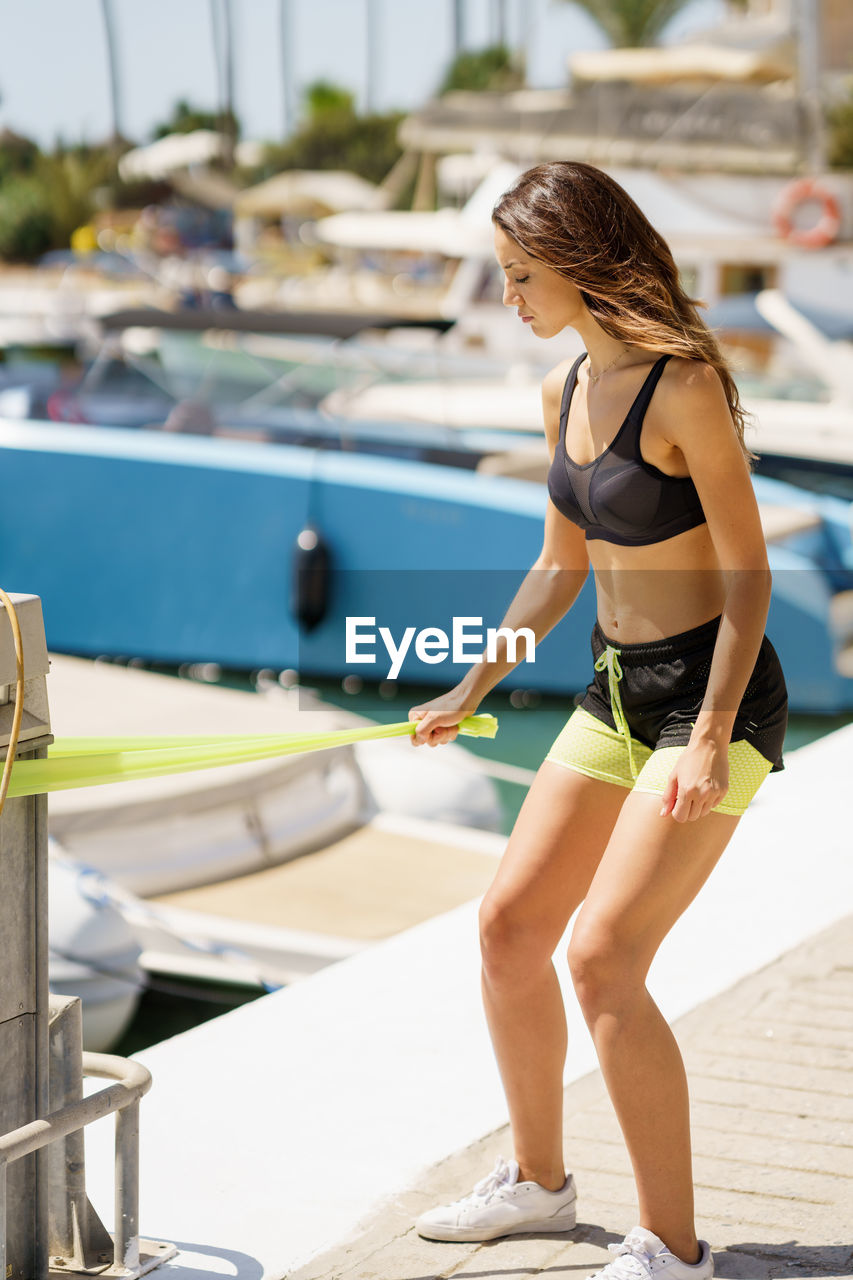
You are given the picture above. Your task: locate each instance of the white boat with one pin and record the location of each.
(281, 924)
(94, 950)
(202, 877)
(801, 407)
(162, 835)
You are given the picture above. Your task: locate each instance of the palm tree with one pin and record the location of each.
(458, 27)
(112, 64)
(222, 31)
(500, 22)
(285, 30)
(631, 22)
(371, 30)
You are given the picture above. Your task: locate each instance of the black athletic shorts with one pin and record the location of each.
(663, 685)
(644, 701)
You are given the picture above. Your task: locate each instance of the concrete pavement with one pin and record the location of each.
(772, 1101)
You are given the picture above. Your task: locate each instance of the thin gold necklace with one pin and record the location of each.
(593, 377)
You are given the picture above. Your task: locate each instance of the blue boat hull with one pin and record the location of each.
(180, 549)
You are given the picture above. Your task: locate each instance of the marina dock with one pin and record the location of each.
(276, 1136)
(772, 1129)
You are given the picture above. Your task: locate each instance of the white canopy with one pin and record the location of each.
(175, 151)
(673, 63)
(178, 151)
(455, 233)
(445, 232)
(304, 190)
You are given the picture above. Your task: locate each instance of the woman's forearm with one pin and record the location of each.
(544, 597)
(736, 650)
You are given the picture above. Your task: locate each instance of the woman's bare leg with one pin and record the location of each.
(556, 844)
(652, 869)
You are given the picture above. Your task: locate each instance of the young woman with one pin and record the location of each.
(684, 718)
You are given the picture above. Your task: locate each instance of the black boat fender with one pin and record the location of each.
(311, 571)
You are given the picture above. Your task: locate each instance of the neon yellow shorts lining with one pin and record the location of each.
(590, 747)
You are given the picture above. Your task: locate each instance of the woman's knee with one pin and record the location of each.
(513, 944)
(606, 969)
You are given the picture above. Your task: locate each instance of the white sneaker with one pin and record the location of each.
(642, 1256)
(500, 1205)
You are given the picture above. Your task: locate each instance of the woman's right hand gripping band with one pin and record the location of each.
(440, 717)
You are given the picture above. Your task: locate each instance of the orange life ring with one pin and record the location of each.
(827, 226)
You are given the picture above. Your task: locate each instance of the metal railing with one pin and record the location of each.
(131, 1082)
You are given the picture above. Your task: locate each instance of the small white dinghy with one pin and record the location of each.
(94, 951)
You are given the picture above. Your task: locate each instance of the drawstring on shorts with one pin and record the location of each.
(609, 662)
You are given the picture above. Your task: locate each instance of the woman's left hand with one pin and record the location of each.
(698, 782)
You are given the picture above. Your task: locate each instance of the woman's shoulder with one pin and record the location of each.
(691, 391)
(555, 379)
(552, 394)
(691, 374)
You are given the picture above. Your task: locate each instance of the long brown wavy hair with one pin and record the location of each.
(579, 222)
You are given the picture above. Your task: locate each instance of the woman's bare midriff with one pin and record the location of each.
(648, 592)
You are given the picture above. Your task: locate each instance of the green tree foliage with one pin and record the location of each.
(334, 136)
(631, 23)
(17, 154)
(26, 219)
(839, 132)
(486, 69)
(187, 118)
(40, 208)
(325, 99)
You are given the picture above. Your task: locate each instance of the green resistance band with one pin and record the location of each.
(89, 762)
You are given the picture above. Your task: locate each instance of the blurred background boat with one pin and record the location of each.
(94, 951)
(176, 548)
(422, 400)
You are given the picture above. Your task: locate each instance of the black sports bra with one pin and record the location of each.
(619, 497)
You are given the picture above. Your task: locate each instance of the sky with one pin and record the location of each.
(53, 79)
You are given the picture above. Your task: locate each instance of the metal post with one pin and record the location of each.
(2, 1218)
(29, 1123)
(38, 845)
(127, 1188)
(23, 938)
(68, 1204)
